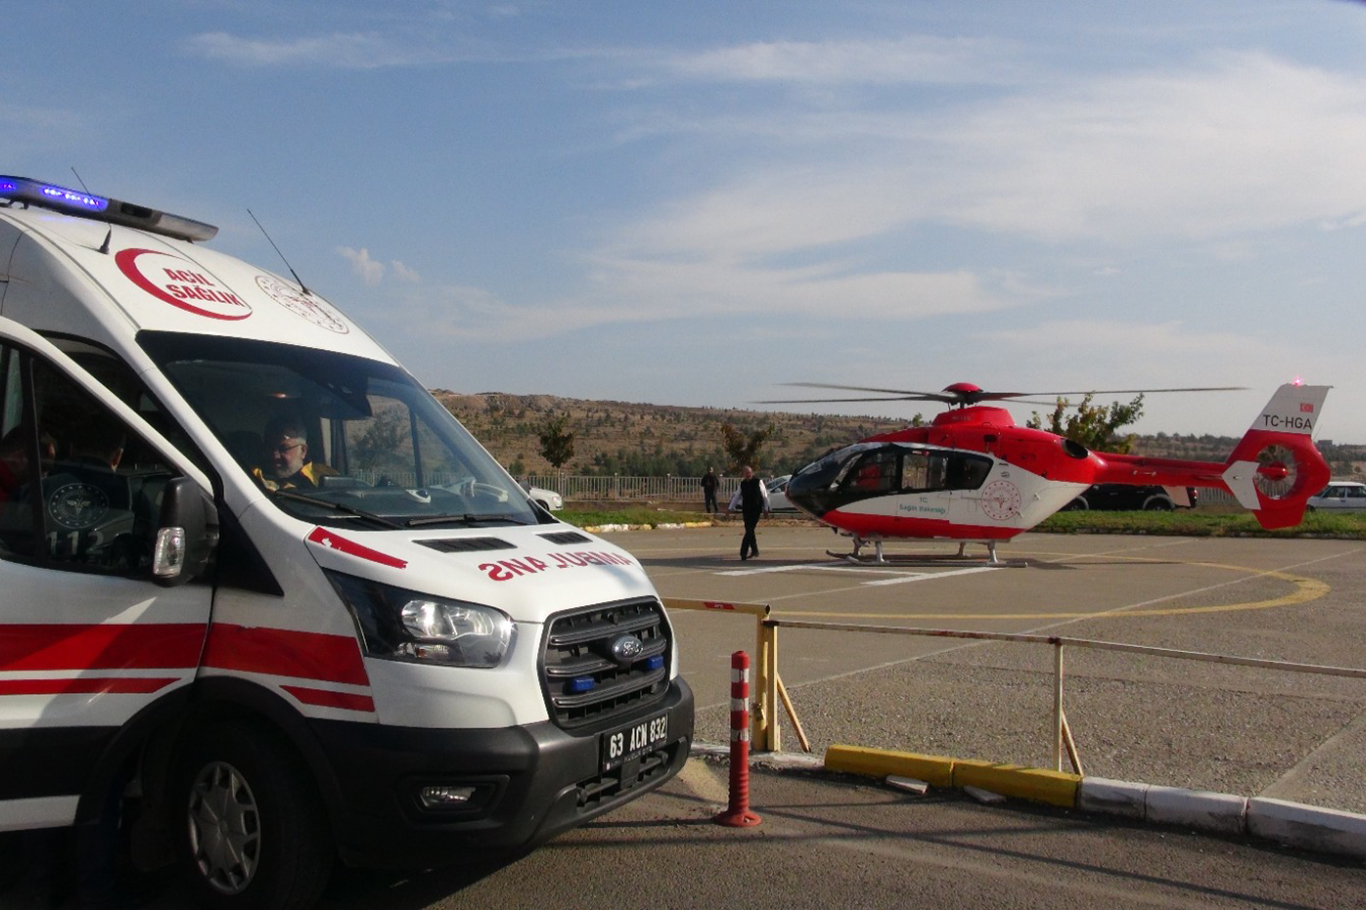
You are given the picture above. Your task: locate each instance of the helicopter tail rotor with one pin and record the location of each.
(1276, 467)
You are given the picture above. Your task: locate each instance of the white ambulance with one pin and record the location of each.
(264, 600)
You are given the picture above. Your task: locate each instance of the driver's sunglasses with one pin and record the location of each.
(285, 450)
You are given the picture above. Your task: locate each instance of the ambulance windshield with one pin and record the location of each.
(338, 439)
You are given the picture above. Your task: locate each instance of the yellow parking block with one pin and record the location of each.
(1056, 788)
(932, 769)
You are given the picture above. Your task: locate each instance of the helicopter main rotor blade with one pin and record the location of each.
(892, 394)
(973, 396)
(1223, 388)
(837, 400)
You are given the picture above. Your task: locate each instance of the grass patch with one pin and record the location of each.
(1180, 523)
(1197, 523)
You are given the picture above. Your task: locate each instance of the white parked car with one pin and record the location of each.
(546, 499)
(1340, 494)
(777, 495)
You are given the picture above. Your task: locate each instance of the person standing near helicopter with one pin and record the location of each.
(752, 500)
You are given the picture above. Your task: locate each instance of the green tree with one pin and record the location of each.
(1094, 426)
(384, 445)
(743, 448)
(557, 443)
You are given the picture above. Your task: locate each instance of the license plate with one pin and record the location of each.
(631, 742)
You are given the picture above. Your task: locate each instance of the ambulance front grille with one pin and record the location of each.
(606, 660)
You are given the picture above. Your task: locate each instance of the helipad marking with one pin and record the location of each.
(1306, 589)
(900, 576)
(814, 566)
(926, 576)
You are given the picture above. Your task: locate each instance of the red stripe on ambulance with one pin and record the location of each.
(105, 685)
(326, 698)
(278, 652)
(108, 646)
(332, 541)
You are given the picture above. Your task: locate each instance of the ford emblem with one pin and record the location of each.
(626, 649)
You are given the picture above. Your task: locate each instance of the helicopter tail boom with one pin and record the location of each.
(1273, 470)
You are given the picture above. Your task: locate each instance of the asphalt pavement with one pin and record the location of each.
(1205, 726)
(828, 839)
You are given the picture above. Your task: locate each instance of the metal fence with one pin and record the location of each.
(770, 693)
(586, 488)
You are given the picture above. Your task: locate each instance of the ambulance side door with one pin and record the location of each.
(87, 638)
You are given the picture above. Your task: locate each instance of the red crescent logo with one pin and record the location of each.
(199, 294)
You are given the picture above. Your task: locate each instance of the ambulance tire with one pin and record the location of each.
(236, 779)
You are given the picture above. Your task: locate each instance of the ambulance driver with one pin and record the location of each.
(286, 448)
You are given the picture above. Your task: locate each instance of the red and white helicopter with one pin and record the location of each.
(973, 476)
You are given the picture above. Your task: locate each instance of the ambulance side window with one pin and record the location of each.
(17, 451)
(94, 500)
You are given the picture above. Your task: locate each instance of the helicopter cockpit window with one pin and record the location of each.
(876, 471)
(895, 468)
(337, 439)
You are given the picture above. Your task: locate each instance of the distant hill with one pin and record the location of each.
(629, 438)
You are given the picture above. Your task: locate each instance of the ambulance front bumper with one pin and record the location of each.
(416, 798)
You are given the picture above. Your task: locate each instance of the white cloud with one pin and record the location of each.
(1249, 144)
(1246, 143)
(911, 59)
(339, 50)
(1243, 142)
(346, 51)
(403, 273)
(369, 270)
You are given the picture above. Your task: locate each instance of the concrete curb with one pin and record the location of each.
(1272, 820)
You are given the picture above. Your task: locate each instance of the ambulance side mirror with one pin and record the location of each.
(186, 535)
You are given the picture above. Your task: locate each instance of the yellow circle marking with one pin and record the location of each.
(1306, 589)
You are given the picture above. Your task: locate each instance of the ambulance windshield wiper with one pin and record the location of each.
(336, 507)
(468, 518)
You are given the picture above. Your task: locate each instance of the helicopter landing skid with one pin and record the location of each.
(858, 557)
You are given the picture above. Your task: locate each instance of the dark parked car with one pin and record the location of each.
(1123, 496)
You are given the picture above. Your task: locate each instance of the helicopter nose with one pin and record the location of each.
(801, 492)
(812, 489)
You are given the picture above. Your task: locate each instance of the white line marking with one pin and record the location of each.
(809, 567)
(931, 575)
(899, 576)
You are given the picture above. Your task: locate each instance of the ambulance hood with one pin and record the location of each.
(528, 573)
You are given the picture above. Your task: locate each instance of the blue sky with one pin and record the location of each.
(694, 203)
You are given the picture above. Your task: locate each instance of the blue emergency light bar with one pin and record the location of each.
(87, 205)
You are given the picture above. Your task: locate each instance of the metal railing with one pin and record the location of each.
(669, 488)
(770, 691)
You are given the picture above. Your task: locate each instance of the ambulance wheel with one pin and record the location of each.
(256, 837)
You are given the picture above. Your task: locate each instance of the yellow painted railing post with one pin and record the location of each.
(1058, 721)
(765, 730)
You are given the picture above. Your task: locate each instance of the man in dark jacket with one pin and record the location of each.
(709, 484)
(753, 502)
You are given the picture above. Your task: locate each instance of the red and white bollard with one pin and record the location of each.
(737, 815)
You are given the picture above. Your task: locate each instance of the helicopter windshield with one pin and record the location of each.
(338, 439)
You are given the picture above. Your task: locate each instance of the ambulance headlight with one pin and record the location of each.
(408, 625)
